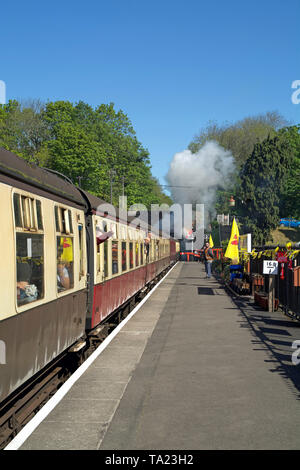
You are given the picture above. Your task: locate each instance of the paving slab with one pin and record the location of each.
(204, 380)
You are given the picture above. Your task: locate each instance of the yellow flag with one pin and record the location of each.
(233, 245)
(211, 241)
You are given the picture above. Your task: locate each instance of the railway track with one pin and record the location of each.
(20, 407)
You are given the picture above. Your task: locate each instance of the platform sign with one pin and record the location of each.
(270, 267)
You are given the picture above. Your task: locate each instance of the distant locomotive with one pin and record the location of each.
(66, 267)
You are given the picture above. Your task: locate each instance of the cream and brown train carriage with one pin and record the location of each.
(43, 269)
(67, 264)
(125, 259)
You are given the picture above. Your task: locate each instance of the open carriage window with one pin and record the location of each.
(63, 220)
(130, 255)
(115, 257)
(30, 267)
(137, 254)
(124, 256)
(64, 248)
(65, 263)
(105, 258)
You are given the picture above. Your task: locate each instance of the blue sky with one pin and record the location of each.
(171, 66)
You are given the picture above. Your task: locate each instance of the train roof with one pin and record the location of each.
(17, 172)
(103, 208)
(16, 169)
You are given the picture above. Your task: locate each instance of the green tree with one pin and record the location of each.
(263, 178)
(83, 143)
(23, 129)
(290, 195)
(240, 137)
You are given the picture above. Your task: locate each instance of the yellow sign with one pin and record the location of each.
(245, 243)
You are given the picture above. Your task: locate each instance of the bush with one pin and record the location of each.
(226, 273)
(217, 266)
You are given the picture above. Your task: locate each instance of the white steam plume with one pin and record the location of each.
(195, 177)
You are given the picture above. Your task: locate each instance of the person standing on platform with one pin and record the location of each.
(208, 256)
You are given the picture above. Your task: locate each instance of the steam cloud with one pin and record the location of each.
(195, 177)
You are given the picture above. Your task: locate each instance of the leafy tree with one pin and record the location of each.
(240, 137)
(83, 143)
(263, 178)
(290, 194)
(23, 129)
(76, 156)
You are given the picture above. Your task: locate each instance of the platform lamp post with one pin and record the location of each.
(231, 201)
(123, 204)
(231, 205)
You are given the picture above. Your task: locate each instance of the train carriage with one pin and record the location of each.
(42, 224)
(68, 262)
(123, 263)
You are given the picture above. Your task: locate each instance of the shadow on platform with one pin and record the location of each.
(275, 335)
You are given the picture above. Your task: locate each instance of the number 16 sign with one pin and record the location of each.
(271, 267)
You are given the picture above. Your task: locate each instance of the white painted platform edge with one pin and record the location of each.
(28, 429)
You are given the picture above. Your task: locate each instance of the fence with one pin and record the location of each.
(198, 255)
(287, 281)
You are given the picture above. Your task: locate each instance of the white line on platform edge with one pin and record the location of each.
(28, 429)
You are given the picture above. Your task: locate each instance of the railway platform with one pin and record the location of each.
(193, 369)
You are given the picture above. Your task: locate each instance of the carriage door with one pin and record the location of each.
(82, 258)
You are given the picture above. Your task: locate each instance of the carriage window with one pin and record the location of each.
(63, 220)
(105, 249)
(130, 255)
(25, 207)
(29, 249)
(142, 253)
(56, 219)
(70, 221)
(30, 267)
(65, 249)
(80, 233)
(17, 209)
(136, 254)
(115, 257)
(28, 213)
(124, 257)
(39, 215)
(65, 263)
